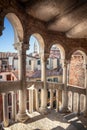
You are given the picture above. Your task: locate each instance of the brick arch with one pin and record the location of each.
(17, 26)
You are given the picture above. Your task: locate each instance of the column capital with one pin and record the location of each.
(21, 46)
(18, 46)
(66, 62)
(44, 57)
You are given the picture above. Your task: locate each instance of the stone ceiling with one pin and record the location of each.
(68, 16)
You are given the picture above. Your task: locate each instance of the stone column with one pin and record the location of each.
(5, 109)
(65, 92)
(43, 108)
(22, 115)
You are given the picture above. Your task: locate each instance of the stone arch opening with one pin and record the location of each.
(14, 33)
(40, 42)
(33, 63)
(17, 26)
(55, 61)
(55, 70)
(8, 56)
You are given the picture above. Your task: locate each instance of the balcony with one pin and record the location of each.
(55, 118)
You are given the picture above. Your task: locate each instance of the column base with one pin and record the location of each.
(22, 117)
(85, 114)
(44, 111)
(6, 123)
(64, 110)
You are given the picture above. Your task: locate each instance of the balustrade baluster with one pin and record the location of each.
(5, 109)
(78, 103)
(31, 100)
(72, 101)
(51, 98)
(14, 105)
(57, 100)
(37, 99)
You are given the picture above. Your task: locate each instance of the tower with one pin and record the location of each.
(35, 47)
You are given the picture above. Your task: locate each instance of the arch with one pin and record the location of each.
(17, 26)
(62, 50)
(40, 41)
(81, 50)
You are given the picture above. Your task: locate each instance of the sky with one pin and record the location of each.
(7, 39)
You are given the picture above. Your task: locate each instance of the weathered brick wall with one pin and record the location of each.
(77, 71)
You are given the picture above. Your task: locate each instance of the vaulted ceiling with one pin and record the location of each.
(68, 16)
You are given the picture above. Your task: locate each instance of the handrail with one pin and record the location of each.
(37, 84)
(76, 89)
(6, 86)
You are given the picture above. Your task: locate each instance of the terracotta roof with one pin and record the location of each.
(37, 73)
(8, 54)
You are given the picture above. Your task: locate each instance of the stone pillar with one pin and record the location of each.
(22, 115)
(65, 92)
(43, 108)
(5, 109)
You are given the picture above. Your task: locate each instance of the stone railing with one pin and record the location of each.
(6, 86)
(34, 92)
(36, 84)
(9, 90)
(76, 98)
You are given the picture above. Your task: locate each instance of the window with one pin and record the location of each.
(47, 62)
(4, 62)
(50, 80)
(38, 62)
(55, 79)
(29, 62)
(8, 77)
(0, 76)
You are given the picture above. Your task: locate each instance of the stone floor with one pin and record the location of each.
(52, 121)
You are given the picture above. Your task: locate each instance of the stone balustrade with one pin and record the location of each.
(76, 97)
